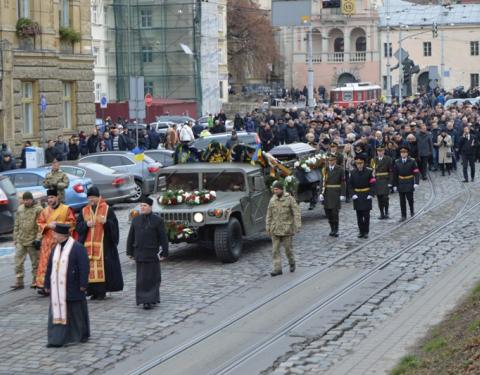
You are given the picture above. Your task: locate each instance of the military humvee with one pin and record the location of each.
(239, 209)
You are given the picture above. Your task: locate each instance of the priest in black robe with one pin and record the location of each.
(147, 243)
(96, 221)
(66, 280)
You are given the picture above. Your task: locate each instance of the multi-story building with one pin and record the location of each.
(45, 51)
(453, 52)
(178, 47)
(345, 47)
(102, 50)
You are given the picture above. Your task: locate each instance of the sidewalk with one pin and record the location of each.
(382, 350)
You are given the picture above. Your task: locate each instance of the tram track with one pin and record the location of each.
(298, 320)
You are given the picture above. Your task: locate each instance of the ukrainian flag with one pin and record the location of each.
(139, 155)
(257, 155)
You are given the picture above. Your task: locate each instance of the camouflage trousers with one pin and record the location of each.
(277, 242)
(20, 255)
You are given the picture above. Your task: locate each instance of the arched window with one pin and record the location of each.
(361, 44)
(338, 45)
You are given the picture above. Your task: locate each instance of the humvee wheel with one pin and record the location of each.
(227, 241)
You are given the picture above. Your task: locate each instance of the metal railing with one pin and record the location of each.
(340, 57)
(358, 57)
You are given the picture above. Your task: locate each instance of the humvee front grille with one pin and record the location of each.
(177, 216)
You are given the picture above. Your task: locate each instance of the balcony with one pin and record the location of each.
(341, 57)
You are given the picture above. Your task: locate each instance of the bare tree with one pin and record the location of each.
(251, 45)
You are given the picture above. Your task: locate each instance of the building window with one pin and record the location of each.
(338, 45)
(221, 89)
(220, 20)
(474, 48)
(107, 51)
(65, 13)
(384, 80)
(148, 88)
(94, 14)
(427, 49)
(67, 105)
(147, 54)
(474, 80)
(146, 18)
(361, 44)
(23, 8)
(95, 55)
(105, 16)
(27, 107)
(98, 91)
(387, 49)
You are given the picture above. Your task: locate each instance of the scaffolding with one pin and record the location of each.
(147, 35)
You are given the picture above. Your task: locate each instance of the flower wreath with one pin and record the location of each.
(178, 231)
(196, 198)
(311, 163)
(216, 153)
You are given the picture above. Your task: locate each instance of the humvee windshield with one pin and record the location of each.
(224, 181)
(182, 181)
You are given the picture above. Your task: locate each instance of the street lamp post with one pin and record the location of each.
(389, 72)
(400, 66)
(310, 65)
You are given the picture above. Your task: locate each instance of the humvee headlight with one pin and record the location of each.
(198, 217)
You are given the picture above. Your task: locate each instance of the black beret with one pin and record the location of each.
(62, 229)
(147, 200)
(93, 192)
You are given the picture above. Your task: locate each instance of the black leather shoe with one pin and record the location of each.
(147, 306)
(292, 267)
(360, 235)
(335, 234)
(332, 233)
(465, 181)
(402, 219)
(365, 235)
(381, 217)
(53, 346)
(276, 273)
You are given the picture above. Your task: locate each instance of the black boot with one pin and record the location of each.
(386, 213)
(335, 231)
(332, 229)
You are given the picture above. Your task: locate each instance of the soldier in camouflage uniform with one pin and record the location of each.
(26, 238)
(56, 179)
(283, 222)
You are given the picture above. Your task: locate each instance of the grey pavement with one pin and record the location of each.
(193, 282)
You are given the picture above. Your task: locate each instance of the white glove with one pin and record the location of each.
(342, 198)
(321, 197)
(354, 196)
(389, 185)
(369, 197)
(415, 186)
(394, 188)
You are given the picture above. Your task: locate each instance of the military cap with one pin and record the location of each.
(360, 157)
(381, 147)
(334, 144)
(404, 148)
(277, 185)
(27, 195)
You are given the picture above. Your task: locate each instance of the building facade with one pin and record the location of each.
(102, 50)
(45, 52)
(345, 48)
(450, 59)
(178, 47)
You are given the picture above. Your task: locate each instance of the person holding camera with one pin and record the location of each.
(444, 144)
(26, 238)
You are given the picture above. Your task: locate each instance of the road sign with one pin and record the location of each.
(103, 102)
(404, 54)
(136, 102)
(43, 103)
(148, 100)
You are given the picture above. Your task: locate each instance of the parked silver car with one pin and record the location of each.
(143, 171)
(163, 156)
(8, 205)
(114, 186)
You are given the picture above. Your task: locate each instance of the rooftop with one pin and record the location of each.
(408, 13)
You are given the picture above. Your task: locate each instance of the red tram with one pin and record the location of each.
(354, 94)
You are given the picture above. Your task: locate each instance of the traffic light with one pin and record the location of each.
(435, 29)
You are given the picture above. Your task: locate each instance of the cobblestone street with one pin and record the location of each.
(193, 279)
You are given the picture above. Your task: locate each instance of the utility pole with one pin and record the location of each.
(310, 65)
(400, 67)
(389, 72)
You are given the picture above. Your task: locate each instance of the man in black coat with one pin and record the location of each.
(382, 168)
(362, 183)
(467, 149)
(406, 177)
(147, 234)
(96, 221)
(66, 280)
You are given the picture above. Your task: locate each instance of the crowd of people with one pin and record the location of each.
(371, 150)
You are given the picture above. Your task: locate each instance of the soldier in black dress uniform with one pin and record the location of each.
(362, 182)
(406, 177)
(382, 169)
(333, 192)
(147, 235)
